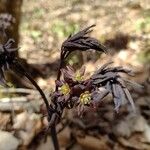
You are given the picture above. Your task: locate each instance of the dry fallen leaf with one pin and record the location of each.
(4, 120)
(92, 143)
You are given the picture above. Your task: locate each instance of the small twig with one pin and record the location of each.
(18, 90)
(21, 99)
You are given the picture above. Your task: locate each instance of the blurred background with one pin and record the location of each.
(39, 28)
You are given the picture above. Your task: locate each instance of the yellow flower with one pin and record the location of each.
(78, 76)
(85, 98)
(65, 89)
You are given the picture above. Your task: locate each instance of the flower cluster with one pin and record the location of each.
(74, 90)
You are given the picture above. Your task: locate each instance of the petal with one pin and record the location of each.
(78, 89)
(68, 77)
(58, 83)
(70, 70)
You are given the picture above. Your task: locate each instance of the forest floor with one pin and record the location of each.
(124, 27)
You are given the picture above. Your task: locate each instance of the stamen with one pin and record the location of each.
(65, 89)
(85, 98)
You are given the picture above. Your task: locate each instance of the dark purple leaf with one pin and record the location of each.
(129, 98)
(80, 41)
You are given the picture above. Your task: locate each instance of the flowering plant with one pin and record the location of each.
(72, 88)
